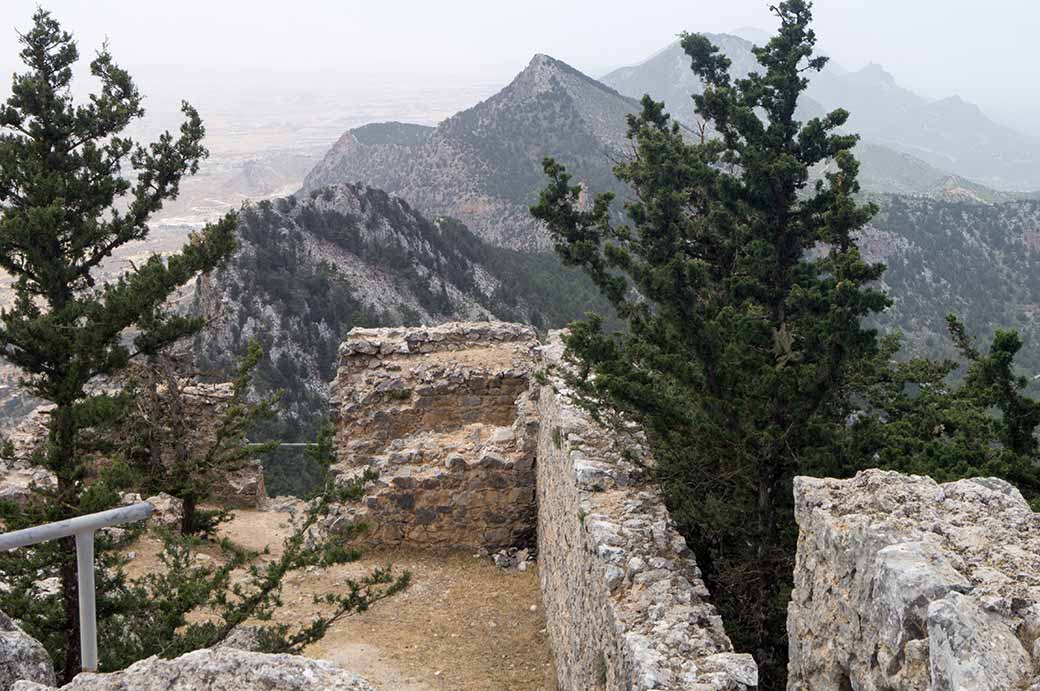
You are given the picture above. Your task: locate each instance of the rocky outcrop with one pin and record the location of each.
(224, 669)
(902, 583)
(19, 479)
(625, 604)
(435, 412)
(19, 474)
(169, 510)
(21, 656)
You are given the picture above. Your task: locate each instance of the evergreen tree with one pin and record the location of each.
(742, 290)
(169, 456)
(72, 191)
(919, 417)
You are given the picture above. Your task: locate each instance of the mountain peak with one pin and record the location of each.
(545, 73)
(877, 73)
(540, 60)
(545, 64)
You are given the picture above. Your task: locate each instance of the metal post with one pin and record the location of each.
(87, 615)
(82, 527)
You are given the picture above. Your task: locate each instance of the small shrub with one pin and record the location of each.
(399, 394)
(601, 670)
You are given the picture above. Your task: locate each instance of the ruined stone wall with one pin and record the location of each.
(201, 404)
(625, 604)
(436, 412)
(904, 584)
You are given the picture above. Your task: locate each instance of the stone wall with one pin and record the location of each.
(905, 584)
(436, 412)
(625, 604)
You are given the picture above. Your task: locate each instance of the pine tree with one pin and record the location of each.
(949, 420)
(742, 291)
(167, 455)
(72, 191)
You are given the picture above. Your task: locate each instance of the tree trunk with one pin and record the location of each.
(63, 462)
(188, 519)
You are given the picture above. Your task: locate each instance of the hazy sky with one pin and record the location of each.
(980, 50)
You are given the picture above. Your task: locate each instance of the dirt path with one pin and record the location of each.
(462, 625)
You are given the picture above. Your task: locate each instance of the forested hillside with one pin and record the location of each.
(309, 269)
(980, 261)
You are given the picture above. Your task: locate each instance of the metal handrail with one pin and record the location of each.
(82, 527)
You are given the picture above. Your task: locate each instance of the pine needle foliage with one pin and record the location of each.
(73, 190)
(742, 291)
(166, 455)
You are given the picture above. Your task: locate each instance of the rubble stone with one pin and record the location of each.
(21, 657)
(169, 510)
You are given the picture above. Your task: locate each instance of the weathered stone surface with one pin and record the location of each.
(625, 605)
(905, 584)
(435, 412)
(169, 510)
(19, 474)
(242, 487)
(21, 656)
(223, 669)
(18, 479)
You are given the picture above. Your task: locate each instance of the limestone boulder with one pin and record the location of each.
(21, 657)
(224, 669)
(169, 510)
(904, 584)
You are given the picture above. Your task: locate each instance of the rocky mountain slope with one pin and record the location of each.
(309, 268)
(484, 165)
(949, 134)
(887, 171)
(979, 261)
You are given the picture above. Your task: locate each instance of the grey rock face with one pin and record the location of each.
(226, 669)
(905, 584)
(21, 656)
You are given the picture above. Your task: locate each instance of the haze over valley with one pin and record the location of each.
(584, 346)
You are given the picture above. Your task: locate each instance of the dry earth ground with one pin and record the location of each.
(462, 625)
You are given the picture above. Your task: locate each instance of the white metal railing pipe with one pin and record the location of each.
(82, 528)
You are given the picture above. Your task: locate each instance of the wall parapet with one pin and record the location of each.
(364, 344)
(625, 603)
(903, 583)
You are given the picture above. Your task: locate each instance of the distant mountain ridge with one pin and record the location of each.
(484, 164)
(949, 134)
